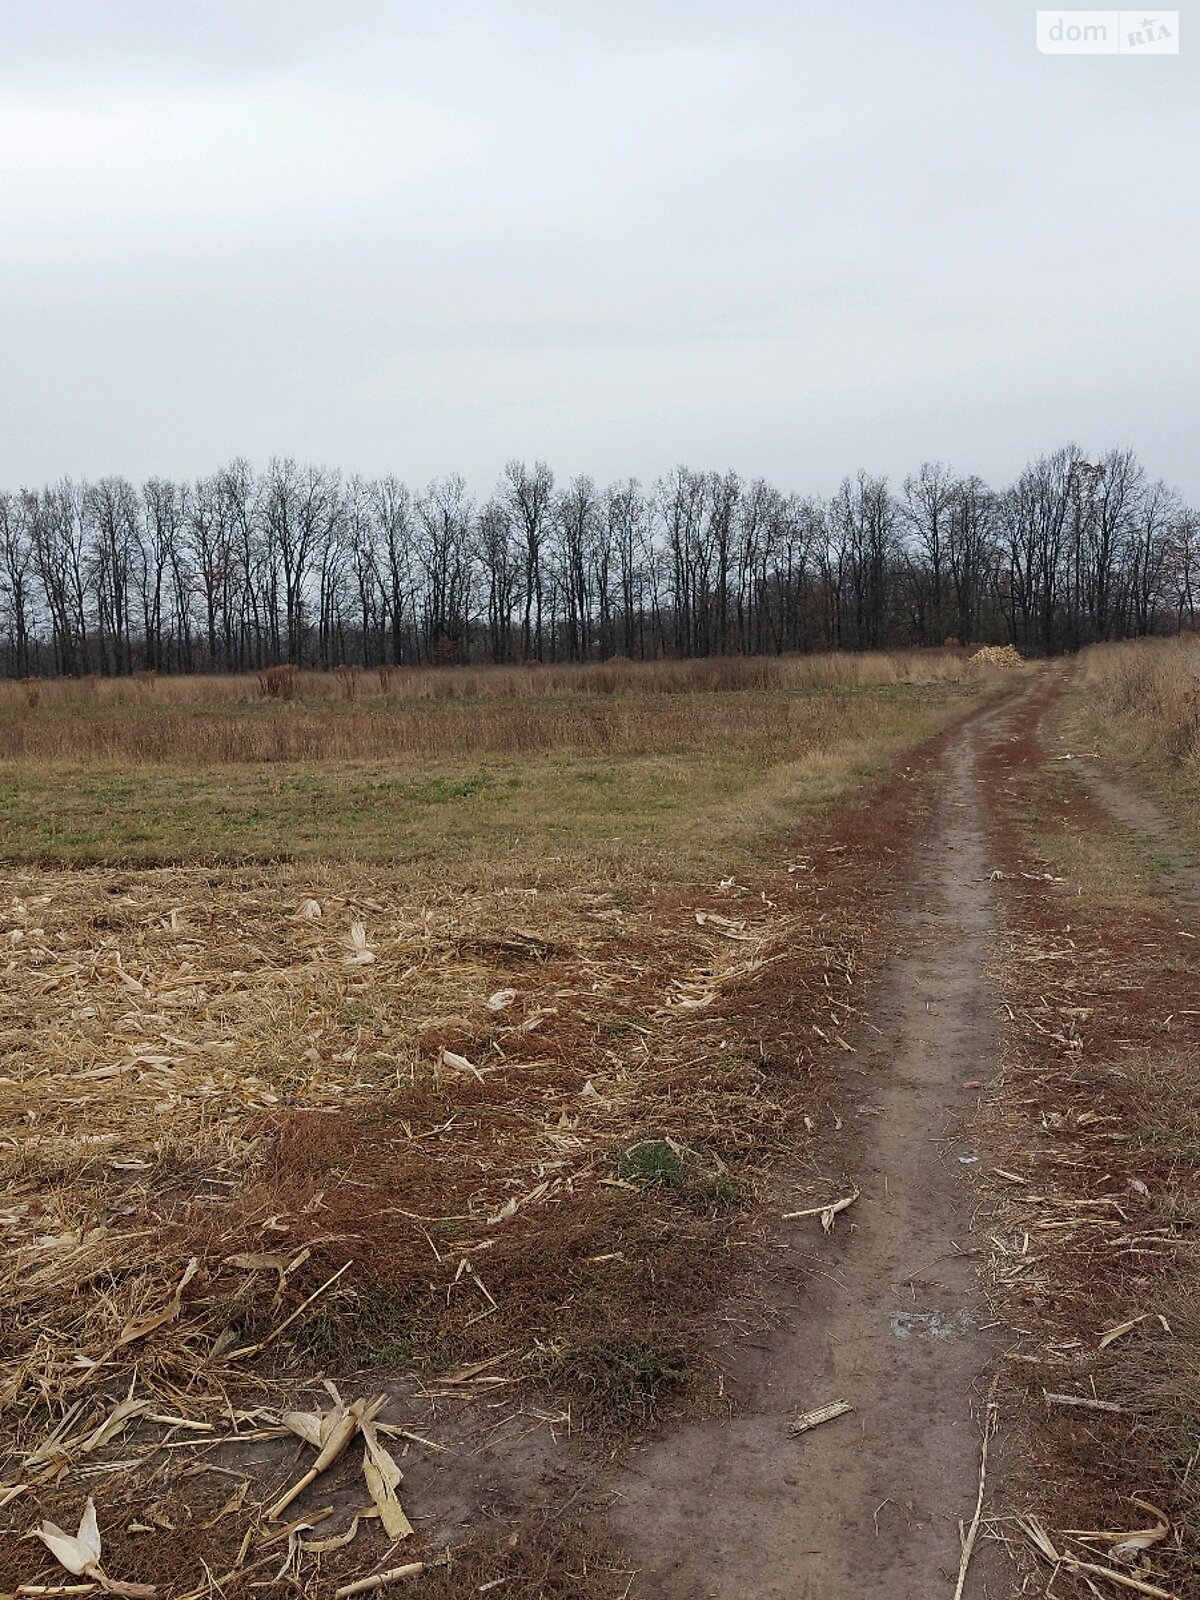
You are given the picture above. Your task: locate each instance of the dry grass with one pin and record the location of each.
(1140, 703)
(195, 1066)
(1158, 1379)
(1097, 1196)
(620, 787)
(1152, 686)
(716, 674)
(757, 706)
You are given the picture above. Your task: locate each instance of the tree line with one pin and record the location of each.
(245, 570)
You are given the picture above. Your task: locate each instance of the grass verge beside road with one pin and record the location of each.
(1137, 705)
(1094, 1134)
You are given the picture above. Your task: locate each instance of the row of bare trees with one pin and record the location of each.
(244, 570)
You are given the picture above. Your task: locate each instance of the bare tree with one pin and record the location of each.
(61, 560)
(1185, 565)
(1154, 534)
(250, 599)
(160, 572)
(863, 517)
(925, 511)
(445, 514)
(681, 502)
(971, 555)
(576, 516)
(529, 492)
(17, 582)
(627, 519)
(111, 509)
(500, 561)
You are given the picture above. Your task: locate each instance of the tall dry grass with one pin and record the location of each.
(754, 726)
(837, 669)
(1148, 690)
(626, 708)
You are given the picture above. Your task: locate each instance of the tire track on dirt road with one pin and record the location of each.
(1145, 820)
(892, 1320)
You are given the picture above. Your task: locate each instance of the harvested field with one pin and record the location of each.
(380, 1206)
(1096, 1169)
(480, 1130)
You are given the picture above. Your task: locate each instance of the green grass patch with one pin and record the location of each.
(652, 1165)
(376, 1332)
(657, 1165)
(679, 788)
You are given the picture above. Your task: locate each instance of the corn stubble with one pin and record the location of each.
(249, 1116)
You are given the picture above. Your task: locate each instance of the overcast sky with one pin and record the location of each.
(787, 238)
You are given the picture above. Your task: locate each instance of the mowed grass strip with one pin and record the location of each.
(664, 786)
(1111, 864)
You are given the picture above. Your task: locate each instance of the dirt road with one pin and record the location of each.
(886, 1313)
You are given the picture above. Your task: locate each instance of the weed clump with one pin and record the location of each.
(618, 1381)
(376, 1332)
(660, 1164)
(655, 1162)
